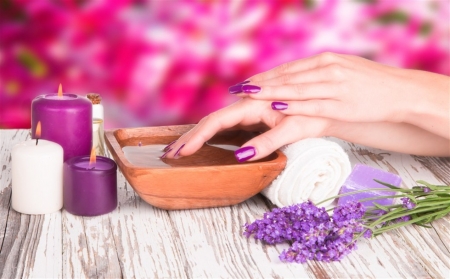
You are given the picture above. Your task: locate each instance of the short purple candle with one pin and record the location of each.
(90, 190)
(67, 120)
(362, 178)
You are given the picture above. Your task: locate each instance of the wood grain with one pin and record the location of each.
(138, 240)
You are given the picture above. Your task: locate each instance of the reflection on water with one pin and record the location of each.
(145, 155)
(225, 146)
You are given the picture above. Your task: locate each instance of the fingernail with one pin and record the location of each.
(250, 89)
(165, 154)
(235, 89)
(244, 82)
(176, 156)
(279, 106)
(169, 145)
(244, 153)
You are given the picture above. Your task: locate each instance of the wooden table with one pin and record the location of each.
(140, 241)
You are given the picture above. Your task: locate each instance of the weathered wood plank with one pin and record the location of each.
(440, 167)
(136, 240)
(148, 245)
(139, 241)
(30, 244)
(215, 247)
(417, 241)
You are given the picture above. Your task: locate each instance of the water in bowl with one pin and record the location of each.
(149, 156)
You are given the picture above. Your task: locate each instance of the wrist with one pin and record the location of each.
(429, 104)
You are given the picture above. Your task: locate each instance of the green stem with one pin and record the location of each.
(402, 212)
(362, 191)
(412, 221)
(413, 192)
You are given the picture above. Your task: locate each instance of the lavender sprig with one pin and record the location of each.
(314, 235)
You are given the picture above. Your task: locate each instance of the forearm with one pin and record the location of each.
(404, 138)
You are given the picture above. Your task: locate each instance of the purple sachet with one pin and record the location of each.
(362, 178)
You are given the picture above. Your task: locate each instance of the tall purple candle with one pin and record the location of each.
(68, 121)
(90, 189)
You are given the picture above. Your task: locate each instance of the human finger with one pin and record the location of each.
(318, 108)
(243, 112)
(292, 92)
(304, 64)
(289, 130)
(328, 73)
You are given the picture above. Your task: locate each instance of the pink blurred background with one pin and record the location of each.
(171, 62)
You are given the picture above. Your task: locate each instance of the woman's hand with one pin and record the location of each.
(353, 89)
(283, 129)
(280, 129)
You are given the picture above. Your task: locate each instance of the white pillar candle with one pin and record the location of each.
(37, 177)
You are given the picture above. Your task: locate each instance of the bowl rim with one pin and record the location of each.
(116, 151)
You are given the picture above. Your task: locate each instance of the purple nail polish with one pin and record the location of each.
(169, 145)
(165, 154)
(279, 106)
(250, 89)
(244, 82)
(176, 156)
(245, 153)
(235, 89)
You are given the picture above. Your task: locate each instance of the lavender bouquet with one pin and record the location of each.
(315, 235)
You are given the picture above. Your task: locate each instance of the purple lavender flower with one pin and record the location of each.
(349, 211)
(408, 203)
(405, 218)
(426, 189)
(368, 233)
(292, 223)
(314, 235)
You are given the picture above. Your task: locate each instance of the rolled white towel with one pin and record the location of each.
(315, 170)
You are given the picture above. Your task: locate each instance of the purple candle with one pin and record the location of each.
(362, 178)
(68, 121)
(90, 189)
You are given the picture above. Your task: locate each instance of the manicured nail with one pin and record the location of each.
(279, 106)
(244, 82)
(165, 153)
(250, 89)
(245, 153)
(169, 145)
(235, 89)
(176, 156)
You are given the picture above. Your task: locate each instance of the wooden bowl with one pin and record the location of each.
(211, 177)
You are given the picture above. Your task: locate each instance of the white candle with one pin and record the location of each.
(37, 176)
